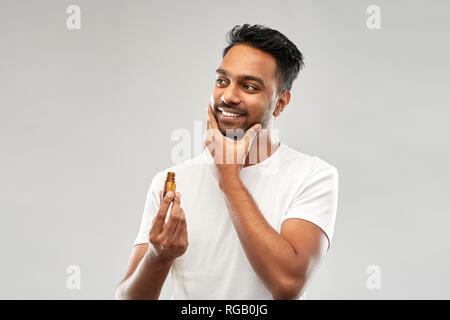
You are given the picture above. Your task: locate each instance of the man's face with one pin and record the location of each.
(245, 84)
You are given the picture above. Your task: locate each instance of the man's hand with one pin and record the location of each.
(149, 264)
(169, 240)
(229, 155)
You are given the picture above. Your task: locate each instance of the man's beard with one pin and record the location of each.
(239, 133)
(232, 133)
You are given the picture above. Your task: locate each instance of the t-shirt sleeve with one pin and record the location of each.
(150, 210)
(316, 199)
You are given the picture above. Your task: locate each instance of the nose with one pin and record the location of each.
(231, 95)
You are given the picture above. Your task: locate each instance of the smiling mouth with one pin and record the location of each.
(228, 116)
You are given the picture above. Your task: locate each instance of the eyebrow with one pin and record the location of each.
(243, 77)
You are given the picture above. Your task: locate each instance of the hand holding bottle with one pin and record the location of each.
(170, 240)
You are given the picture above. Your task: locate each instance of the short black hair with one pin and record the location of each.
(288, 58)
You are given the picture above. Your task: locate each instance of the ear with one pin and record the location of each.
(282, 101)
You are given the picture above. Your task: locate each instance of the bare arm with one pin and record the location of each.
(284, 262)
(149, 265)
(145, 275)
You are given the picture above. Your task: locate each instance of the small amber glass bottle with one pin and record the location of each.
(169, 185)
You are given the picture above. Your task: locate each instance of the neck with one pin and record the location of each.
(263, 146)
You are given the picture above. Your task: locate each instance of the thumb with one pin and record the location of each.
(253, 131)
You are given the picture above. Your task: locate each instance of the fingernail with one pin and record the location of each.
(170, 194)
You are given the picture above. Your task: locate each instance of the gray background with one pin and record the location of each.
(87, 117)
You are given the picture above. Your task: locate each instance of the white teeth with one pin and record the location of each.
(228, 114)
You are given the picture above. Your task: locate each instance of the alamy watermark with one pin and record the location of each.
(73, 21)
(74, 279)
(373, 282)
(373, 21)
(182, 150)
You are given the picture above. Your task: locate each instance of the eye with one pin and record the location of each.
(250, 87)
(220, 82)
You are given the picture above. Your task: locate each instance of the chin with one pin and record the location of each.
(237, 135)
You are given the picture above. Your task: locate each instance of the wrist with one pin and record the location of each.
(226, 181)
(156, 257)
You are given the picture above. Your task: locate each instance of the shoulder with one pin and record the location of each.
(308, 166)
(301, 159)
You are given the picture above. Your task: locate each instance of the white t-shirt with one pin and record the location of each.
(288, 184)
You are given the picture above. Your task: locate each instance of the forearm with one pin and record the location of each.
(271, 256)
(147, 280)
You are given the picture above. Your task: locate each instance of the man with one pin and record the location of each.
(256, 227)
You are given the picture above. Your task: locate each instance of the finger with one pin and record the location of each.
(160, 192)
(252, 132)
(208, 134)
(174, 217)
(213, 126)
(181, 230)
(160, 199)
(162, 212)
(208, 130)
(212, 118)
